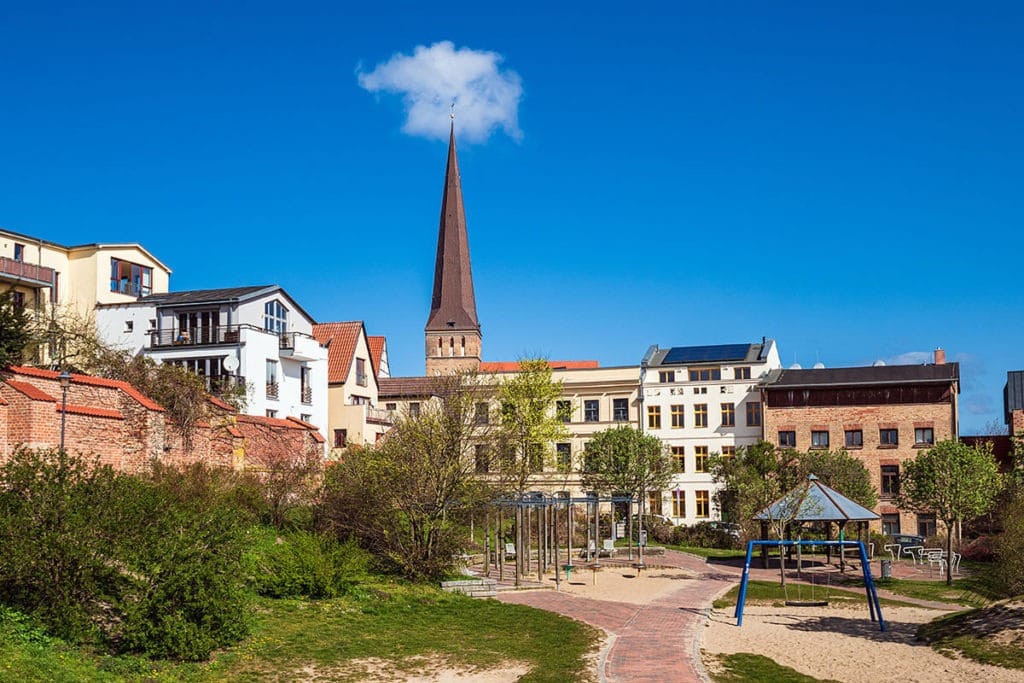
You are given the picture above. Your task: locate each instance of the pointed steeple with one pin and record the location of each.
(453, 305)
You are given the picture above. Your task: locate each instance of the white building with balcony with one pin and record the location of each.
(258, 337)
(700, 401)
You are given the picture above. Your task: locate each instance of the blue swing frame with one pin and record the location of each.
(869, 585)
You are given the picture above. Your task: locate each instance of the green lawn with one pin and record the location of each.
(743, 667)
(710, 553)
(772, 592)
(970, 591)
(292, 638)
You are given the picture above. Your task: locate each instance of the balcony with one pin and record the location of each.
(299, 346)
(272, 390)
(307, 395)
(201, 336)
(27, 273)
(380, 416)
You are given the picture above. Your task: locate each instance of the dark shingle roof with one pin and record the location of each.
(874, 374)
(203, 296)
(453, 305)
(406, 387)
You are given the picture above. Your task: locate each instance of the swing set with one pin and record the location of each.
(869, 585)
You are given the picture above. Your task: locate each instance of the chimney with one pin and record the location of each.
(940, 357)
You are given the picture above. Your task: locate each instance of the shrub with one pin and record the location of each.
(302, 564)
(981, 549)
(102, 557)
(1009, 549)
(705, 535)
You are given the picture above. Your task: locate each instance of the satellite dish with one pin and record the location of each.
(795, 366)
(819, 366)
(878, 363)
(230, 363)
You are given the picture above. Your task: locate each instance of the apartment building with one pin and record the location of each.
(1013, 402)
(700, 401)
(258, 338)
(881, 414)
(44, 274)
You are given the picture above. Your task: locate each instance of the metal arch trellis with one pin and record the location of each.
(541, 502)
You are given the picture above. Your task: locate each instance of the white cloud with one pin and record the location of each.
(433, 77)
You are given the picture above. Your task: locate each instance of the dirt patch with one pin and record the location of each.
(415, 670)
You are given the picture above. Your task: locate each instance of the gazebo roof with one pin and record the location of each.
(815, 502)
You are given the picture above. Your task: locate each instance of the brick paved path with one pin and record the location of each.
(653, 642)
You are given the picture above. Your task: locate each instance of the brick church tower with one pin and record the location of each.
(453, 338)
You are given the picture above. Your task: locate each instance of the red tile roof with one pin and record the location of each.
(93, 412)
(90, 380)
(377, 344)
(340, 339)
(223, 405)
(30, 391)
(513, 366)
(301, 423)
(269, 421)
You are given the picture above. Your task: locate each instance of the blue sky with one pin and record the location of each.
(847, 181)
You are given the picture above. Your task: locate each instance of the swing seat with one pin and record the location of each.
(806, 603)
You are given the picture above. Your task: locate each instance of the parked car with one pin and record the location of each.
(907, 540)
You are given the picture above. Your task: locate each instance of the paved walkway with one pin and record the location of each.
(653, 642)
(659, 641)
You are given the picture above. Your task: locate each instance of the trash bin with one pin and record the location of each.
(643, 537)
(886, 569)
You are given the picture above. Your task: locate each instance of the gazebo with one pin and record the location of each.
(812, 501)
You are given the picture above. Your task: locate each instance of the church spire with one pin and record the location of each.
(452, 331)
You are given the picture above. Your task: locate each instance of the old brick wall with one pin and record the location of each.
(940, 417)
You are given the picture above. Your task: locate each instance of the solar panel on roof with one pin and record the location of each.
(705, 354)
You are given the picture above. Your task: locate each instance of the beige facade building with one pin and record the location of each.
(353, 368)
(882, 415)
(45, 274)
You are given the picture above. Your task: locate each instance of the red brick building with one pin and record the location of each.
(114, 422)
(883, 415)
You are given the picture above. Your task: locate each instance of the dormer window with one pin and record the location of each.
(130, 278)
(275, 317)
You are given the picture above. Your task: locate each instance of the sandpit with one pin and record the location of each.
(619, 583)
(842, 643)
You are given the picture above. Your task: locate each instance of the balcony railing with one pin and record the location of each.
(380, 416)
(40, 275)
(288, 339)
(272, 389)
(199, 336)
(307, 395)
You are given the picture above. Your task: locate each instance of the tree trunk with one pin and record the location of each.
(949, 553)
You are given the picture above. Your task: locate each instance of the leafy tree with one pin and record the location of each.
(529, 423)
(15, 332)
(398, 498)
(751, 479)
(529, 426)
(841, 471)
(953, 480)
(625, 460)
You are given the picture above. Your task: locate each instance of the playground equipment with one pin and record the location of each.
(869, 585)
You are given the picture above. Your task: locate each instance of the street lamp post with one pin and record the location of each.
(65, 381)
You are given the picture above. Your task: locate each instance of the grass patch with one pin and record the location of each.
(990, 635)
(710, 553)
(743, 667)
(772, 592)
(385, 621)
(969, 591)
